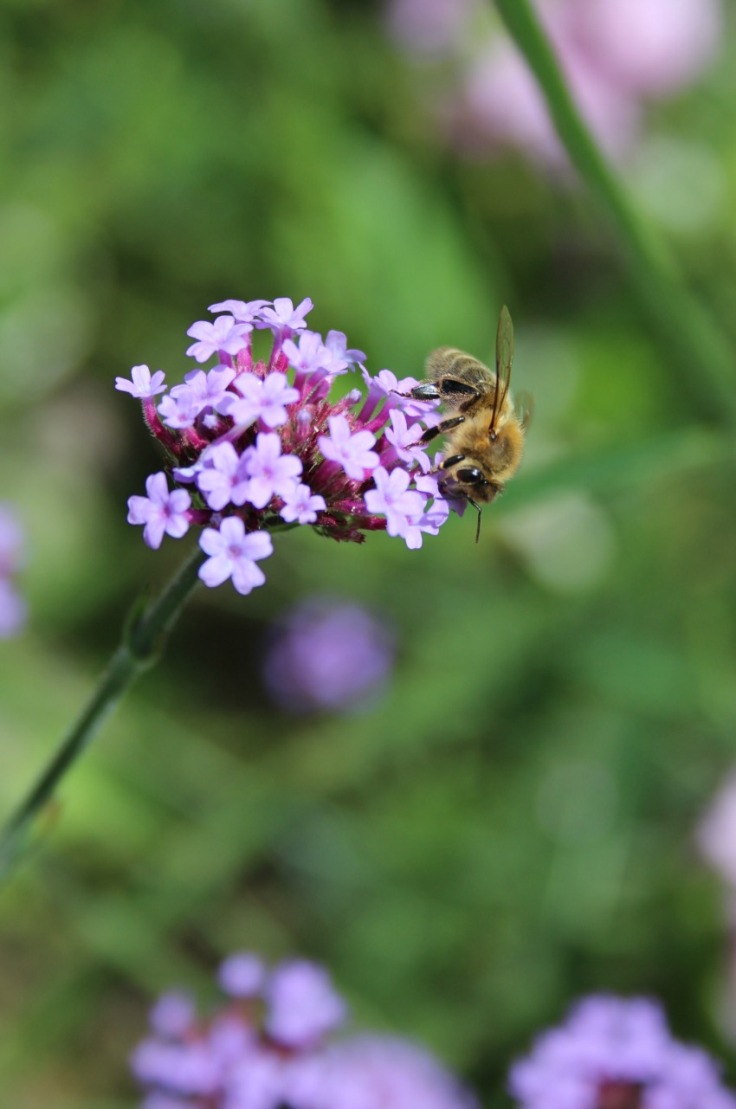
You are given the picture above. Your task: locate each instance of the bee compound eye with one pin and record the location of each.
(470, 475)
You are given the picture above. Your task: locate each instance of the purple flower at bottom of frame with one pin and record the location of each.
(375, 1072)
(173, 1014)
(162, 512)
(328, 655)
(242, 974)
(616, 1051)
(233, 554)
(143, 384)
(302, 1005)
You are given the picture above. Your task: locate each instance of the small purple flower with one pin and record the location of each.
(328, 655)
(284, 318)
(616, 1051)
(222, 480)
(241, 310)
(336, 342)
(393, 498)
(271, 473)
(242, 974)
(180, 408)
(405, 439)
(301, 505)
(224, 334)
(172, 1015)
(302, 1005)
(143, 383)
(162, 512)
(233, 554)
(259, 398)
(350, 449)
(309, 355)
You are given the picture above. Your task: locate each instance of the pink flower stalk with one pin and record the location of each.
(272, 1045)
(255, 446)
(616, 55)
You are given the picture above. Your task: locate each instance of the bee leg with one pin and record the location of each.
(426, 390)
(477, 509)
(452, 461)
(446, 425)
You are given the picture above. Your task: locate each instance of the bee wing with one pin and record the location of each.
(504, 357)
(524, 405)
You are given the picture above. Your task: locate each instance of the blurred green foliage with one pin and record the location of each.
(512, 825)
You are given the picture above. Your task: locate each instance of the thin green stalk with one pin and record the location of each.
(139, 649)
(700, 351)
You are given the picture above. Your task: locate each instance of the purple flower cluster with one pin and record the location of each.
(257, 445)
(616, 55)
(616, 1053)
(267, 1048)
(12, 605)
(328, 655)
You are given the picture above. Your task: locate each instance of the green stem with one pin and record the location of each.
(141, 644)
(699, 350)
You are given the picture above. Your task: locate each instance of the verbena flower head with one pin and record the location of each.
(328, 655)
(256, 445)
(616, 1053)
(271, 1045)
(12, 556)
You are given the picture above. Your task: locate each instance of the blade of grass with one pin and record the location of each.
(700, 351)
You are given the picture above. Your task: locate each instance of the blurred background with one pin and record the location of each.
(504, 818)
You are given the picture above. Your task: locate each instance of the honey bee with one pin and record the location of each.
(485, 439)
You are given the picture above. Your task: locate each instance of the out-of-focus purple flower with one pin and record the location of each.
(143, 384)
(233, 554)
(376, 1072)
(162, 512)
(273, 1051)
(13, 609)
(716, 833)
(172, 1014)
(616, 55)
(242, 974)
(302, 1004)
(328, 655)
(264, 443)
(616, 1052)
